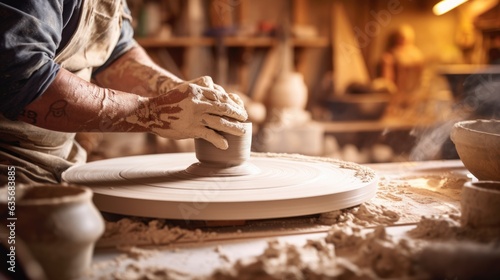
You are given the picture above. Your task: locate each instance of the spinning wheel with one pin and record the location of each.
(160, 186)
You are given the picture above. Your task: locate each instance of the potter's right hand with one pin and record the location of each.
(192, 111)
(207, 82)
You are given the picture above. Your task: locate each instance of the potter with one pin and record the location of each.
(90, 75)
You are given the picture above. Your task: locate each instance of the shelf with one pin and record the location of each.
(175, 42)
(373, 126)
(228, 41)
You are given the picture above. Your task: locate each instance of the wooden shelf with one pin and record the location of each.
(228, 41)
(373, 126)
(175, 42)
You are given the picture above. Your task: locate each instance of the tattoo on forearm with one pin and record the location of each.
(57, 109)
(30, 115)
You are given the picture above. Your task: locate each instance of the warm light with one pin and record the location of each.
(446, 5)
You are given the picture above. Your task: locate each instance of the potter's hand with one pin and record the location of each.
(207, 82)
(192, 111)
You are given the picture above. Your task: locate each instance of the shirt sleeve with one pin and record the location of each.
(30, 35)
(125, 42)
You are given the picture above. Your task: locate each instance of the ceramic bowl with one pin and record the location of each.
(478, 146)
(480, 204)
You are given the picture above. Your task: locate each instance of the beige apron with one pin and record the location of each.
(41, 155)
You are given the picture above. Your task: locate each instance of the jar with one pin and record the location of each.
(59, 225)
(288, 92)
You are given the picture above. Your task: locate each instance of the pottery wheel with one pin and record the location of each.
(284, 186)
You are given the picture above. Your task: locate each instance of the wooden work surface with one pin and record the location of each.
(198, 250)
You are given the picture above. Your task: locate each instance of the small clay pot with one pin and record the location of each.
(480, 204)
(288, 91)
(59, 225)
(236, 154)
(478, 145)
(214, 162)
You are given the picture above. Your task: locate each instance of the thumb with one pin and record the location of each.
(215, 138)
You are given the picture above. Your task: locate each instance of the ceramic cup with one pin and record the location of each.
(59, 225)
(236, 154)
(480, 204)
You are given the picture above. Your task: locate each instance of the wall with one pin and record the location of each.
(435, 35)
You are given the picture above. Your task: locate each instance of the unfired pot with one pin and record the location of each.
(478, 145)
(60, 226)
(480, 204)
(237, 153)
(215, 162)
(288, 91)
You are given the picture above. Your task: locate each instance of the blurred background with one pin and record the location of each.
(363, 81)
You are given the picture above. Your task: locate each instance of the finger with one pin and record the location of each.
(205, 81)
(215, 138)
(224, 125)
(211, 94)
(219, 88)
(236, 98)
(227, 110)
(223, 105)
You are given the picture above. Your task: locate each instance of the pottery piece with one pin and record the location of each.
(59, 225)
(288, 91)
(230, 162)
(478, 145)
(480, 204)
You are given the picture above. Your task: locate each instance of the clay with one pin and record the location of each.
(60, 226)
(478, 145)
(481, 204)
(230, 162)
(135, 231)
(360, 252)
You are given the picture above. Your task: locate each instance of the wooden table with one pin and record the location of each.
(233, 243)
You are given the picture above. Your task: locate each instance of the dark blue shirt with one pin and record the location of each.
(32, 34)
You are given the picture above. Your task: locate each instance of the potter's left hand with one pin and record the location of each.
(192, 110)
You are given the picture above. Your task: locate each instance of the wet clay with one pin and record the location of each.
(233, 161)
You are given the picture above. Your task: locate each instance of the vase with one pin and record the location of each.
(59, 225)
(288, 92)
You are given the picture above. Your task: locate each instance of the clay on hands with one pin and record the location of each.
(204, 81)
(195, 109)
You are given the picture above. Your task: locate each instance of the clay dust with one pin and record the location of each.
(357, 244)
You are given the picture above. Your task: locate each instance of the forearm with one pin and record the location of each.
(71, 104)
(135, 72)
